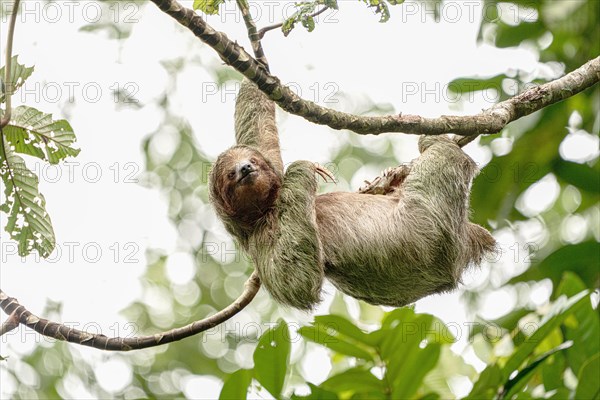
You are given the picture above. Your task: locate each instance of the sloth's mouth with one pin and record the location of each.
(247, 176)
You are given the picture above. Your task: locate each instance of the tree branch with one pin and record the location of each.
(11, 323)
(8, 86)
(488, 122)
(266, 29)
(59, 331)
(252, 34)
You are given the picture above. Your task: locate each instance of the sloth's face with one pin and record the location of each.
(244, 184)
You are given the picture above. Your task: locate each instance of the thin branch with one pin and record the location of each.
(462, 141)
(266, 29)
(98, 341)
(11, 323)
(8, 86)
(490, 121)
(252, 34)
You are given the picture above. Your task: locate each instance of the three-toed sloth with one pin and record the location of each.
(412, 240)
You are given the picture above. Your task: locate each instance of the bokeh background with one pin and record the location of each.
(139, 249)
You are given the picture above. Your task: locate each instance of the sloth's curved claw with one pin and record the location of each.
(324, 173)
(386, 172)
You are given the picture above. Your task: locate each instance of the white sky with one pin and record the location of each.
(349, 50)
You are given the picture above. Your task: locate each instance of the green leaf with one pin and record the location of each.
(553, 371)
(355, 380)
(370, 396)
(488, 383)
(309, 23)
(316, 393)
(331, 4)
(344, 327)
(407, 325)
(589, 384)
(410, 368)
(331, 340)
(411, 348)
(516, 383)
(581, 258)
(510, 36)
(508, 322)
(579, 175)
(380, 7)
(583, 327)
(287, 26)
(562, 394)
(18, 74)
(209, 7)
(561, 309)
(340, 335)
(398, 316)
(468, 85)
(272, 357)
(447, 368)
(430, 396)
(236, 385)
(35, 133)
(302, 13)
(28, 222)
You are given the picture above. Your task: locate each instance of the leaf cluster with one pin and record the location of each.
(33, 133)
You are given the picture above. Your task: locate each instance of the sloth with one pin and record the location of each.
(404, 237)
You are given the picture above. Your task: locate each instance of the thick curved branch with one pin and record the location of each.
(488, 122)
(58, 331)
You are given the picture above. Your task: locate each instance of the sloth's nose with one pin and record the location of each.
(246, 168)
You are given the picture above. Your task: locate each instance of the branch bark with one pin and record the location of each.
(489, 121)
(18, 314)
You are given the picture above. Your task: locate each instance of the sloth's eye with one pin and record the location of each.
(231, 175)
(253, 160)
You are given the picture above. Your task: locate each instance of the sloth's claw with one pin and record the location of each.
(324, 173)
(387, 172)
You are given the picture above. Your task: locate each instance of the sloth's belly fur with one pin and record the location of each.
(387, 261)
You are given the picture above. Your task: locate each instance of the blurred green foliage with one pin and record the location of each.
(534, 351)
